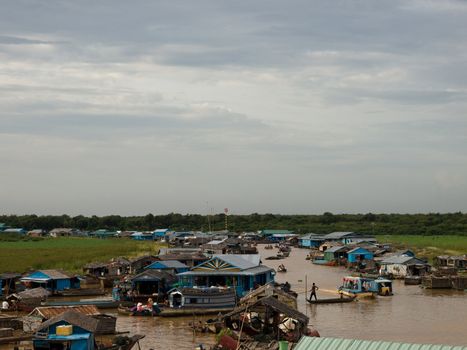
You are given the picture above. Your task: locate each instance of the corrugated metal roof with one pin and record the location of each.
(249, 272)
(338, 235)
(47, 312)
(312, 236)
(336, 248)
(242, 261)
(271, 232)
(314, 343)
(402, 259)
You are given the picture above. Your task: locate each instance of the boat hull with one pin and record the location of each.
(331, 300)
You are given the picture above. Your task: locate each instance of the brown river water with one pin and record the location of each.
(412, 314)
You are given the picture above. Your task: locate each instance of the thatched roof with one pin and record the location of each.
(275, 304)
(74, 318)
(34, 293)
(265, 291)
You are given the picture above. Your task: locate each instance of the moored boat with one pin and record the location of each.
(107, 303)
(362, 287)
(281, 268)
(342, 299)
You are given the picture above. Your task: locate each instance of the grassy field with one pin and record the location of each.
(69, 254)
(429, 246)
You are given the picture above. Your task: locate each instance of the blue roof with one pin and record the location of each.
(169, 264)
(316, 343)
(359, 250)
(69, 337)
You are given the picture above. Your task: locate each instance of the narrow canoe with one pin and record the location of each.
(331, 300)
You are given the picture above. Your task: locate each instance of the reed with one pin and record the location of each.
(428, 246)
(68, 253)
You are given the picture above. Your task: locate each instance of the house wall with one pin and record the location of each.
(353, 257)
(397, 270)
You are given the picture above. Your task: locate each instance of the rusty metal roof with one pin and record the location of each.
(47, 312)
(313, 343)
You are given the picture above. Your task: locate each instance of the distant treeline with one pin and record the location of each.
(405, 224)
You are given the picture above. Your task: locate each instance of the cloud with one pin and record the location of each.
(281, 101)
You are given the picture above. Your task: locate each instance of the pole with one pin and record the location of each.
(306, 294)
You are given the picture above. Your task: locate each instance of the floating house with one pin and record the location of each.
(160, 233)
(21, 231)
(8, 283)
(106, 323)
(313, 343)
(336, 253)
(138, 264)
(114, 268)
(70, 330)
(142, 236)
(348, 237)
(102, 234)
(282, 237)
(268, 316)
(188, 256)
(447, 261)
(401, 266)
(208, 298)
(172, 266)
(152, 283)
(63, 232)
(269, 233)
(242, 272)
(52, 280)
(359, 254)
(310, 240)
(37, 233)
(28, 299)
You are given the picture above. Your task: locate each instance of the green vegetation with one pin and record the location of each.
(69, 254)
(429, 246)
(388, 224)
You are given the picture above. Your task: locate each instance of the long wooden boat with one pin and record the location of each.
(99, 303)
(332, 300)
(189, 311)
(81, 292)
(175, 312)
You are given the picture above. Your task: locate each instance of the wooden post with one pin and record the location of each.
(306, 295)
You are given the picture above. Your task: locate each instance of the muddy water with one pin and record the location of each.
(411, 315)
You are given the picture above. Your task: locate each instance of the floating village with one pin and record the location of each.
(220, 282)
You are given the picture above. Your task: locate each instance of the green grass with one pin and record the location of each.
(428, 246)
(69, 254)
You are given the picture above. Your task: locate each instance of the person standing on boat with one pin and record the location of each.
(314, 288)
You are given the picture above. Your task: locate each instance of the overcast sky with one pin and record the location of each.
(130, 107)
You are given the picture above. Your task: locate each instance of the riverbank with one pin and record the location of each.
(428, 246)
(68, 253)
